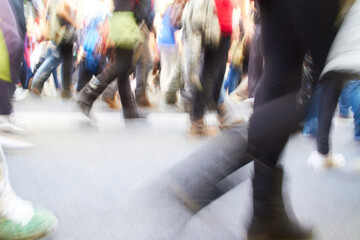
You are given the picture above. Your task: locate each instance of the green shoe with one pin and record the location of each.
(42, 222)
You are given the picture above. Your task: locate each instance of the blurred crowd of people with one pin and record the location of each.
(196, 54)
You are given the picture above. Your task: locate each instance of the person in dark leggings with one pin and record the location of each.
(118, 68)
(289, 30)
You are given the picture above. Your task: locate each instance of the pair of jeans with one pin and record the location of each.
(233, 79)
(350, 98)
(212, 78)
(59, 54)
(311, 119)
(37, 66)
(323, 104)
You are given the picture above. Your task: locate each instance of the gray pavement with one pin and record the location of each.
(101, 180)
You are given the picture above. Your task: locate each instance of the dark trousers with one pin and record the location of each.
(85, 75)
(255, 62)
(211, 78)
(329, 99)
(119, 68)
(66, 51)
(15, 48)
(289, 29)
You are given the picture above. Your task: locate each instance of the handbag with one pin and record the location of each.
(61, 30)
(237, 52)
(124, 31)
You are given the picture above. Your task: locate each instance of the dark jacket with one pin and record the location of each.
(18, 10)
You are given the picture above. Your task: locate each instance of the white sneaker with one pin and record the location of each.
(318, 161)
(20, 94)
(12, 123)
(13, 207)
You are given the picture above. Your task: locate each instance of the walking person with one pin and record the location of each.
(120, 66)
(289, 30)
(18, 218)
(212, 75)
(12, 50)
(63, 26)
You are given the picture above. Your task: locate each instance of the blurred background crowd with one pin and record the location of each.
(198, 55)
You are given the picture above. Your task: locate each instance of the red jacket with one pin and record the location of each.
(225, 10)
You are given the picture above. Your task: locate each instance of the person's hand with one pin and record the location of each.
(81, 55)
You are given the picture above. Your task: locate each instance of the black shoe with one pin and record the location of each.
(271, 219)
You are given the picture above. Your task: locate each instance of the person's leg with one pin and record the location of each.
(18, 218)
(111, 96)
(174, 86)
(168, 59)
(225, 114)
(344, 101)
(323, 157)
(23, 72)
(6, 91)
(355, 106)
(127, 98)
(44, 71)
(12, 51)
(29, 77)
(143, 67)
(311, 121)
(93, 89)
(331, 91)
(67, 69)
(84, 76)
(211, 80)
(235, 80)
(277, 114)
(222, 94)
(55, 76)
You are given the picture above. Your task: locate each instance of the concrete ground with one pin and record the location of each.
(99, 179)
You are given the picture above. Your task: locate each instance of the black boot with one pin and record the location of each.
(88, 94)
(130, 109)
(271, 220)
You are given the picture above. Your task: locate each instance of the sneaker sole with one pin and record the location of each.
(38, 236)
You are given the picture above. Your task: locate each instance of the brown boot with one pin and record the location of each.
(142, 100)
(114, 103)
(198, 128)
(227, 118)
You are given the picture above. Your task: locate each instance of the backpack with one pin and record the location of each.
(61, 31)
(144, 12)
(91, 41)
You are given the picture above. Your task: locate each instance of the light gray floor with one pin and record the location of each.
(98, 180)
